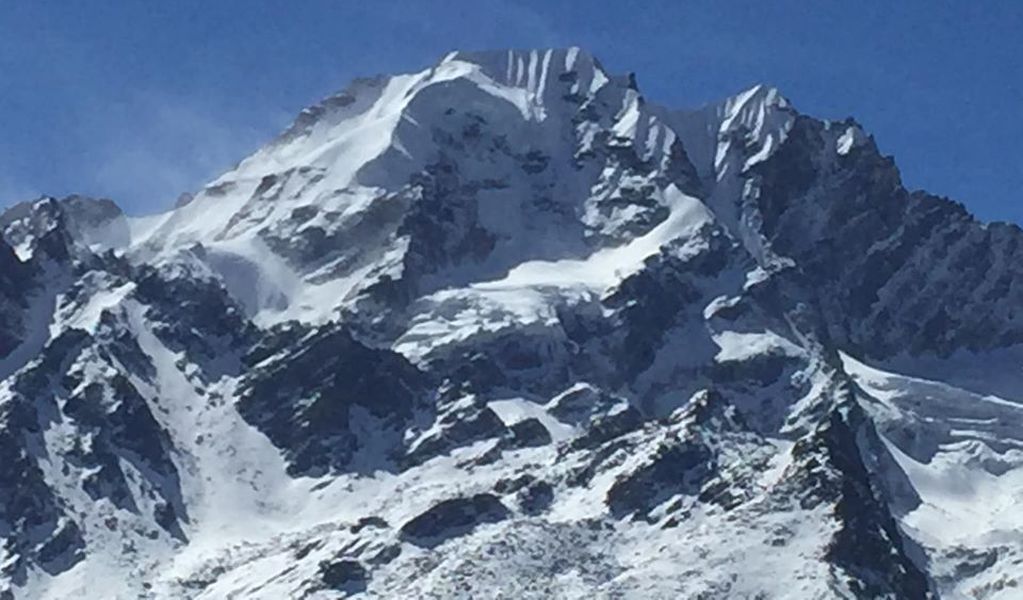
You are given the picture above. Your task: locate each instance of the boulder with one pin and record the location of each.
(453, 518)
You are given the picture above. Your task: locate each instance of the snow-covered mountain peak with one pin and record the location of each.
(506, 326)
(543, 134)
(530, 70)
(328, 134)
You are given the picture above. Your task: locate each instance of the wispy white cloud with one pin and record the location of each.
(167, 144)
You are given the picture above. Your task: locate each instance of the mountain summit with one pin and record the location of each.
(508, 328)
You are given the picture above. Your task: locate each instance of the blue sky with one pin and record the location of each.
(141, 100)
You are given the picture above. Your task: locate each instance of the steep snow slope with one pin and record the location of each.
(504, 327)
(963, 456)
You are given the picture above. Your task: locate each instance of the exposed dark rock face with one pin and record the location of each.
(39, 225)
(192, 314)
(116, 426)
(344, 575)
(318, 394)
(338, 243)
(527, 360)
(703, 453)
(59, 229)
(582, 402)
(603, 428)
(868, 545)
(16, 283)
(670, 292)
(898, 270)
(530, 432)
(453, 518)
(676, 468)
(460, 421)
(370, 521)
(33, 522)
(443, 226)
(535, 497)
(112, 429)
(509, 485)
(90, 213)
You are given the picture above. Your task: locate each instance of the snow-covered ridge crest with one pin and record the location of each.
(512, 129)
(535, 70)
(346, 130)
